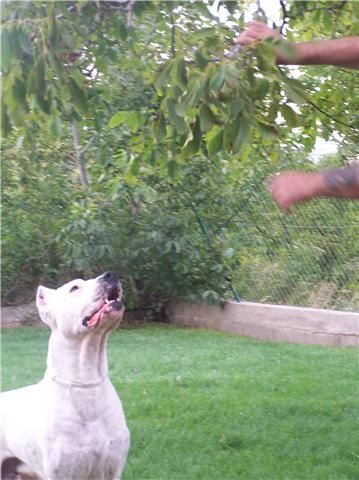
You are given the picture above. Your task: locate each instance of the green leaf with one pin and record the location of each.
(135, 166)
(207, 32)
(164, 77)
(176, 121)
(192, 147)
(78, 95)
(214, 141)
(181, 107)
(261, 88)
(5, 121)
(56, 64)
(295, 91)
(266, 56)
(202, 8)
(216, 81)
(193, 93)
(231, 74)
(118, 119)
(98, 122)
(327, 20)
(121, 157)
(133, 120)
(231, 5)
(206, 117)
(130, 178)
(172, 167)
(19, 92)
(43, 104)
(112, 54)
(40, 81)
(174, 92)
(179, 72)
(234, 107)
(150, 157)
(6, 50)
(55, 126)
(120, 29)
(289, 115)
(268, 132)
(201, 60)
(229, 134)
(101, 64)
(273, 111)
(243, 135)
(51, 21)
(159, 128)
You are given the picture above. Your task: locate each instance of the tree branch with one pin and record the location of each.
(88, 144)
(285, 16)
(331, 116)
(131, 3)
(78, 154)
(173, 35)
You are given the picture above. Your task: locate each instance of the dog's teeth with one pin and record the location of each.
(108, 302)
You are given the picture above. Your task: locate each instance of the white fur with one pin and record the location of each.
(71, 425)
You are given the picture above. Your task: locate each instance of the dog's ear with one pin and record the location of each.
(43, 296)
(43, 300)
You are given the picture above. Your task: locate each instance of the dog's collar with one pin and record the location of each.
(68, 383)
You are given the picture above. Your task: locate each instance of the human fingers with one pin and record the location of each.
(262, 30)
(251, 33)
(246, 38)
(279, 192)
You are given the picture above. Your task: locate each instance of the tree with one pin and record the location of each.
(152, 118)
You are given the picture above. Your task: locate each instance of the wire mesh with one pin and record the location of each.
(309, 258)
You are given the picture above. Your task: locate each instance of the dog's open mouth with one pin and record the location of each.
(112, 303)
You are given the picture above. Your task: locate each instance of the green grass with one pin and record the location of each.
(211, 406)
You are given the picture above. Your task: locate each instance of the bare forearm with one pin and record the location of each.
(341, 182)
(342, 52)
(290, 188)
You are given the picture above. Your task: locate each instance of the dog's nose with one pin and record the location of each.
(110, 277)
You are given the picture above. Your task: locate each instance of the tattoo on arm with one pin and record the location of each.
(341, 178)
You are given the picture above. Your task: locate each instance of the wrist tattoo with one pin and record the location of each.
(342, 177)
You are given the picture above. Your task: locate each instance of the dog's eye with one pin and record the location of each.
(75, 287)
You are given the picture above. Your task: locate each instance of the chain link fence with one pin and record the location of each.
(309, 258)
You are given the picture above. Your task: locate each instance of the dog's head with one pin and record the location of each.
(80, 306)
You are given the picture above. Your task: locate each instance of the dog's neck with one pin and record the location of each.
(78, 361)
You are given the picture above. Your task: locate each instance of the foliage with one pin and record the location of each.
(137, 140)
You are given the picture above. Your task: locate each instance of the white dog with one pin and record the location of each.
(70, 426)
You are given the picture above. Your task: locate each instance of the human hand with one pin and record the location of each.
(289, 188)
(256, 31)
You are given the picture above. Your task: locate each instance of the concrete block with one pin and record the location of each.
(271, 322)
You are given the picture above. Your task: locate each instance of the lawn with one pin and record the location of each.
(213, 406)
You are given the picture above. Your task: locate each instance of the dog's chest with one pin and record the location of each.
(93, 456)
(86, 413)
(89, 433)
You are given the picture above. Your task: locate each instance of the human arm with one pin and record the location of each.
(289, 188)
(341, 52)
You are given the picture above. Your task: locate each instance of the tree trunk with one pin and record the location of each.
(78, 154)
